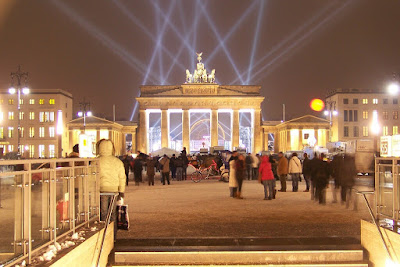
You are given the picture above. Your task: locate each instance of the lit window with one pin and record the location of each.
(21, 148)
(1, 132)
(2, 101)
(385, 115)
(41, 151)
(41, 131)
(41, 101)
(52, 151)
(10, 132)
(10, 148)
(365, 131)
(31, 115)
(41, 116)
(31, 132)
(21, 101)
(395, 130)
(31, 101)
(21, 134)
(346, 131)
(375, 101)
(365, 101)
(11, 101)
(51, 131)
(52, 101)
(51, 116)
(31, 151)
(11, 115)
(365, 115)
(395, 115)
(21, 115)
(385, 130)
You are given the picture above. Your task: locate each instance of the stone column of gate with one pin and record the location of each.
(214, 127)
(300, 139)
(133, 142)
(276, 142)
(235, 129)
(257, 144)
(185, 130)
(316, 136)
(164, 128)
(142, 138)
(288, 141)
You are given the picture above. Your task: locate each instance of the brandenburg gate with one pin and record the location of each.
(200, 95)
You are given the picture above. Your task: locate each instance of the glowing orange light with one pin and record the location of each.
(317, 104)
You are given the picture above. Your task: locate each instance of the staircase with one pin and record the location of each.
(325, 251)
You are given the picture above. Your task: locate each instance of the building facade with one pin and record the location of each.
(43, 116)
(362, 114)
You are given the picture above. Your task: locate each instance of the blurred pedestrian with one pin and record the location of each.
(255, 163)
(172, 166)
(185, 163)
(233, 184)
(295, 170)
(282, 171)
(164, 161)
(150, 166)
(313, 164)
(321, 176)
(347, 178)
(137, 170)
(266, 177)
(307, 172)
(127, 167)
(240, 174)
(249, 166)
(179, 168)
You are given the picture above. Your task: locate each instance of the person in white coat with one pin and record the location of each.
(233, 184)
(112, 178)
(295, 169)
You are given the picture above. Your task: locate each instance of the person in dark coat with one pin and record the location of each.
(321, 177)
(137, 170)
(313, 164)
(307, 171)
(151, 164)
(347, 178)
(185, 164)
(337, 169)
(172, 166)
(240, 174)
(127, 167)
(249, 168)
(179, 168)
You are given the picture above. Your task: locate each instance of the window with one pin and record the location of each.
(52, 101)
(385, 130)
(21, 132)
(31, 101)
(51, 132)
(41, 101)
(375, 101)
(46, 116)
(31, 115)
(345, 101)
(395, 115)
(10, 132)
(41, 131)
(346, 131)
(31, 132)
(21, 148)
(51, 116)
(395, 130)
(355, 115)
(365, 101)
(41, 151)
(41, 116)
(350, 115)
(1, 132)
(10, 148)
(355, 131)
(355, 101)
(52, 151)
(385, 115)
(11, 101)
(365, 115)
(385, 101)
(365, 131)
(21, 101)
(31, 151)
(395, 101)
(1, 101)
(346, 117)
(21, 115)
(11, 115)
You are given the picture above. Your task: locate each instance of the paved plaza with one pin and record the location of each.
(185, 209)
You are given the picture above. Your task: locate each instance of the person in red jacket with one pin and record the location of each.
(266, 177)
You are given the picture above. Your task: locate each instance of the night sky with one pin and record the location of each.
(103, 50)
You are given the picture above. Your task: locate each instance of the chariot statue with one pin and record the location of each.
(200, 73)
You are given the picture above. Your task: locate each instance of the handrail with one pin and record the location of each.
(363, 193)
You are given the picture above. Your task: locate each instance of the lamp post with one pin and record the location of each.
(85, 112)
(19, 75)
(330, 111)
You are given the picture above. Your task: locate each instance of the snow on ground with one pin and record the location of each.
(187, 209)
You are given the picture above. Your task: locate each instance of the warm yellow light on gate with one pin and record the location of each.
(317, 104)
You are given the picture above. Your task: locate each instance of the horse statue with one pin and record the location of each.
(196, 76)
(204, 76)
(189, 76)
(211, 76)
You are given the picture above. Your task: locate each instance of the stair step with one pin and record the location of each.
(304, 257)
(344, 264)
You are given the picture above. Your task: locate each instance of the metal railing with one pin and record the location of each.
(42, 201)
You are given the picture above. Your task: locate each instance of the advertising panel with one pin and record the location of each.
(386, 146)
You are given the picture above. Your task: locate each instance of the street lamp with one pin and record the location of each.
(85, 106)
(393, 88)
(19, 75)
(330, 111)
